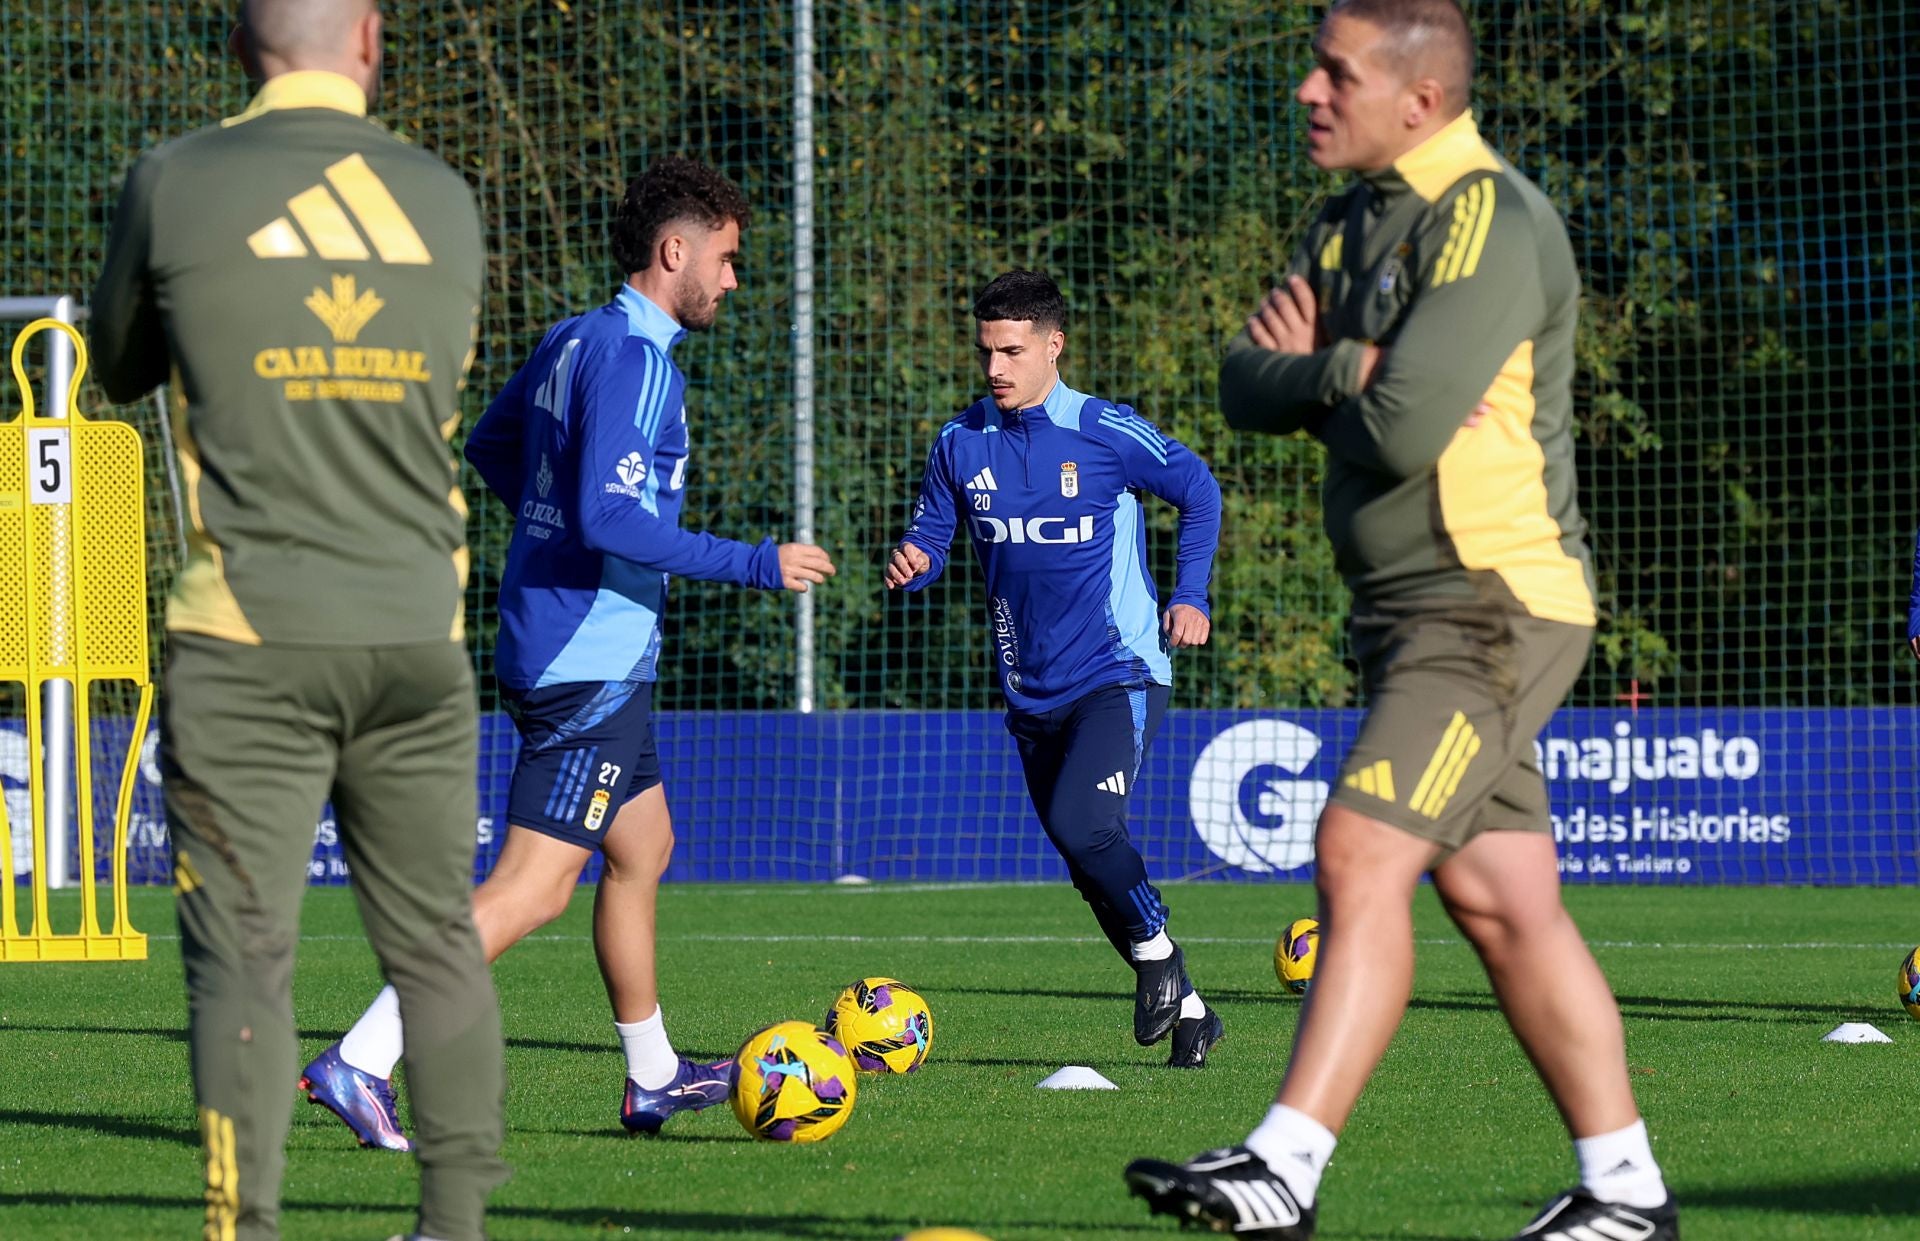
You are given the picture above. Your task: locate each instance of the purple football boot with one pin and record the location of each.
(364, 1101)
(695, 1086)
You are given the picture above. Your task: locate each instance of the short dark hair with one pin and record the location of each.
(1023, 295)
(1430, 36)
(675, 188)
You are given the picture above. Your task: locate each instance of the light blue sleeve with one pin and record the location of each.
(1155, 463)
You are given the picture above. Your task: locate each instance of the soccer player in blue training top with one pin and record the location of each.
(1049, 481)
(588, 446)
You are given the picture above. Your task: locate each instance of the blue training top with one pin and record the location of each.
(1050, 496)
(587, 444)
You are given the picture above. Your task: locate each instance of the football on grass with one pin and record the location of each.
(793, 1082)
(1910, 983)
(1295, 952)
(884, 1025)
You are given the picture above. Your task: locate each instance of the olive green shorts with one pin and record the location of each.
(1455, 700)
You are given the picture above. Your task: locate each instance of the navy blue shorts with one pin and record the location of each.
(586, 750)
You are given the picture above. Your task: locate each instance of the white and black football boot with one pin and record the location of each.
(1579, 1216)
(1229, 1190)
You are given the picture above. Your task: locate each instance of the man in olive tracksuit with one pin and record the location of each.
(1424, 333)
(312, 283)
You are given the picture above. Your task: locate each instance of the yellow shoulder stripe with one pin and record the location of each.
(1467, 237)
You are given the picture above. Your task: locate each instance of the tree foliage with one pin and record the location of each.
(1737, 177)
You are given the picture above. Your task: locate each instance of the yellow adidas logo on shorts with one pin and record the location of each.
(1444, 770)
(1375, 780)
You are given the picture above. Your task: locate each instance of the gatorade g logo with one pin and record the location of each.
(1248, 807)
(1033, 529)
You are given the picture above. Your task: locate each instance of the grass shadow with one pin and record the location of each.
(1882, 1194)
(801, 1226)
(178, 1034)
(115, 1126)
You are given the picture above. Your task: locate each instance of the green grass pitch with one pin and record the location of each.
(1763, 1129)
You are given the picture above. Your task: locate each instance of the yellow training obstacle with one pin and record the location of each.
(73, 607)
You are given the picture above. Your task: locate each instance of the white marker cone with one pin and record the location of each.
(1076, 1077)
(1855, 1032)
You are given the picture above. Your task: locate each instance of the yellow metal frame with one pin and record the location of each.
(101, 636)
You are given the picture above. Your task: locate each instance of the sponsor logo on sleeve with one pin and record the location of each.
(631, 470)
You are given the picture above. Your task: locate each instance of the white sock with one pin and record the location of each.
(1296, 1146)
(651, 1060)
(1159, 948)
(373, 1045)
(1619, 1167)
(1192, 1006)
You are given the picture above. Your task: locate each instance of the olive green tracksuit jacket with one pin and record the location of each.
(1460, 269)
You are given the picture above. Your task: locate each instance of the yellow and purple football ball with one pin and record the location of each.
(884, 1024)
(1295, 952)
(793, 1082)
(1910, 984)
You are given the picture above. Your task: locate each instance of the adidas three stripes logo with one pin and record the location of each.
(324, 216)
(1260, 1201)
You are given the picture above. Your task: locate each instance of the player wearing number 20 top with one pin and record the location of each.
(1048, 482)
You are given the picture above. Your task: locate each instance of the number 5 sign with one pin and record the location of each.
(73, 607)
(49, 466)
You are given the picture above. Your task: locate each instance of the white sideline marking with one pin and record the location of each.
(868, 888)
(1626, 944)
